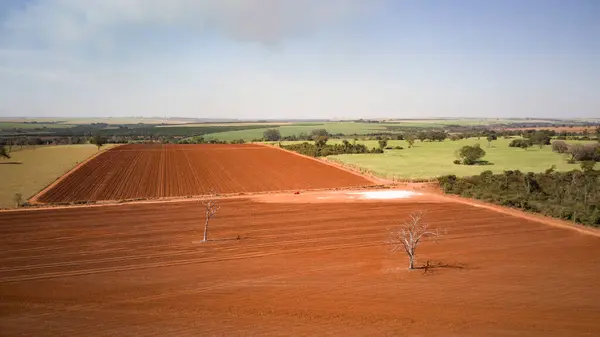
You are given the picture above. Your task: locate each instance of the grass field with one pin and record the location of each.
(30, 170)
(296, 129)
(433, 159)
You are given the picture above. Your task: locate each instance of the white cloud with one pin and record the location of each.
(265, 21)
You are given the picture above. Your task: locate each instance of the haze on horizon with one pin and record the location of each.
(280, 59)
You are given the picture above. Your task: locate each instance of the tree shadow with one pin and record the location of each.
(432, 267)
(483, 163)
(11, 163)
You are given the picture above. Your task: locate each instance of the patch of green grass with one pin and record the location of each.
(432, 159)
(30, 170)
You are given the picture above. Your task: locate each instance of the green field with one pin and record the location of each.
(347, 128)
(432, 159)
(30, 170)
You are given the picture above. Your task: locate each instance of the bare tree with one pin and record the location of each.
(410, 234)
(210, 209)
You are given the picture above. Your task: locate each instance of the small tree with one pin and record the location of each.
(98, 141)
(383, 143)
(409, 236)
(272, 135)
(4, 152)
(316, 133)
(598, 134)
(491, 137)
(560, 146)
(540, 138)
(577, 152)
(410, 139)
(471, 154)
(320, 141)
(587, 166)
(18, 199)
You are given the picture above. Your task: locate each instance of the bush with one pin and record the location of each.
(397, 147)
(457, 162)
(470, 155)
(272, 135)
(581, 152)
(587, 165)
(522, 143)
(559, 146)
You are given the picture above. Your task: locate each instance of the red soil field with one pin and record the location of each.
(297, 269)
(590, 129)
(157, 171)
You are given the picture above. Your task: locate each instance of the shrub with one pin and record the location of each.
(581, 152)
(470, 155)
(272, 135)
(522, 143)
(457, 162)
(587, 165)
(383, 143)
(559, 146)
(397, 147)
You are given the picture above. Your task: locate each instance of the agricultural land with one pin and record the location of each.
(292, 265)
(31, 169)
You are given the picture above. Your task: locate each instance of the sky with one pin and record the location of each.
(278, 59)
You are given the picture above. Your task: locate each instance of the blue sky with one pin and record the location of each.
(300, 59)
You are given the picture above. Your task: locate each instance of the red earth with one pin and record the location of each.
(143, 171)
(590, 129)
(292, 268)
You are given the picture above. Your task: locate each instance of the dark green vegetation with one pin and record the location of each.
(321, 149)
(470, 154)
(4, 152)
(573, 195)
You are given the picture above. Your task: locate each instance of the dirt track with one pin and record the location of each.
(157, 171)
(312, 269)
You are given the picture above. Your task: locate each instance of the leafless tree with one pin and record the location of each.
(210, 209)
(410, 234)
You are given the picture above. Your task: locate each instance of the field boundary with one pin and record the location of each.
(540, 218)
(365, 171)
(35, 197)
(373, 179)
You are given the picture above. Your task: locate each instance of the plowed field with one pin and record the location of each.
(157, 171)
(297, 269)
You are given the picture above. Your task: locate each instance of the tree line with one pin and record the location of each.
(573, 196)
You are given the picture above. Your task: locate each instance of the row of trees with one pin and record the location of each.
(320, 148)
(578, 152)
(571, 195)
